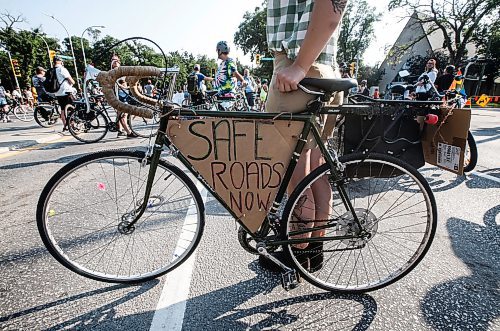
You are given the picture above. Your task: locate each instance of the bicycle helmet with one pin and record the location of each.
(222, 47)
(450, 69)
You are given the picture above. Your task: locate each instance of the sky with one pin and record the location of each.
(191, 25)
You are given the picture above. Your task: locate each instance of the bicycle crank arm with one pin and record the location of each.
(262, 251)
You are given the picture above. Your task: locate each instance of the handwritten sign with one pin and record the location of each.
(242, 160)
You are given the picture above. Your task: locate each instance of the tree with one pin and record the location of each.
(25, 46)
(356, 31)
(251, 38)
(457, 20)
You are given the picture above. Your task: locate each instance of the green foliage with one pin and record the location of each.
(251, 38)
(371, 73)
(357, 30)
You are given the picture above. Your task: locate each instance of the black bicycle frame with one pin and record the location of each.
(307, 118)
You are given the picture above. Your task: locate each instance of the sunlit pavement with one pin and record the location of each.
(454, 288)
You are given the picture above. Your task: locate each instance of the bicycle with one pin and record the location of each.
(100, 215)
(21, 111)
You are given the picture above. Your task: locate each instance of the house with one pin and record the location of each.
(424, 44)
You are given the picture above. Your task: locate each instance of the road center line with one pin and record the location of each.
(486, 176)
(169, 313)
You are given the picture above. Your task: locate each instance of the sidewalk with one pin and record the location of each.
(17, 135)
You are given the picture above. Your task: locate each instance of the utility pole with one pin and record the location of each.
(478, 87)
(72, 51)
(13, 72)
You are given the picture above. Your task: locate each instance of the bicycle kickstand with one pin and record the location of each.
(289, 278)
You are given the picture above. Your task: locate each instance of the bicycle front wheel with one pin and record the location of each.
(86, 127)
(397, 227)
(24, 114)
(85, 210)
(143, 127)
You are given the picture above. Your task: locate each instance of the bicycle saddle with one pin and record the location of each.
(330, 85)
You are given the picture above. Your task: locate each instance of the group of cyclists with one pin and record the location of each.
(227, 82)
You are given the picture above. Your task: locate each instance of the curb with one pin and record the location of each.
(31, 143)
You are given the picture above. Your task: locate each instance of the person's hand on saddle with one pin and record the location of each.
(288, 78)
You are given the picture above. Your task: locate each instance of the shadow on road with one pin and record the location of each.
(224, 309)
(470, 302)
(102, 317)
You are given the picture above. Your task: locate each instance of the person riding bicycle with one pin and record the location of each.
(303, 37)
(37, 80)
(223, 81)
(195, 87)
(4, 105)
(64, 95)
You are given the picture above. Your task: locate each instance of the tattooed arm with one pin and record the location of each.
(325, 18)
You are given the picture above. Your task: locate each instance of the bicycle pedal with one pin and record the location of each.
(289, 280)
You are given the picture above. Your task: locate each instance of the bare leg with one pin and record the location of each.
(322, 193)
(304, 210)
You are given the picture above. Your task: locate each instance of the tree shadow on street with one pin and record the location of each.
(103, 317)
(469, 302)
(226, 308)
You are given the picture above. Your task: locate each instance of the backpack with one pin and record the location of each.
(51, 83)
(192, 84)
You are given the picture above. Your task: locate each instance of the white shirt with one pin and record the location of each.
(178, 98)
(16, 94)
(62, 76)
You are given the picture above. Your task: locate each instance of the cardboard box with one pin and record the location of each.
(444, 145)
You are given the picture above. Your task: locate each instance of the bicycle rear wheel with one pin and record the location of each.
(143, 127)
(399, 226)
(46, 115)
(471, 156)
(84, 210)
(24, 113)
(86, 127)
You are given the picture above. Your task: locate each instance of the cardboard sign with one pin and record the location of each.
(445, 147)
(242, 160)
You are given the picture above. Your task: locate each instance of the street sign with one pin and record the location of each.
(483, 100)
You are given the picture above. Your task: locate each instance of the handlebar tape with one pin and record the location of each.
(107, 80)
(133, 83)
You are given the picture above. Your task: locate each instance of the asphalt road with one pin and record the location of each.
(455, 287)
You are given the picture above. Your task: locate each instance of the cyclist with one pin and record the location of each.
(196, 87)
(303, 37)
(223, 81)
(4, 106)
(121, 91)
(37, 80)
(250, 88)
(443, 82)
(425, 81)
(65, 93)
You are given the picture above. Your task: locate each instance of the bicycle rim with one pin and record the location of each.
(24, 114)
(399, 225)
(87, 127)
(85, 208)
(143, 127)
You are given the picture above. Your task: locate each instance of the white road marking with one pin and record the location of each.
(169, 313)
(486, 176)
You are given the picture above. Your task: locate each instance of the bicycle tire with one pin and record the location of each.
(86, 127)
(24, 114)
(470, 159)
(357, 172)
(143, 127)
(45, 122)
(157, 225)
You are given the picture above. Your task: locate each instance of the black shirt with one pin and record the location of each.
(443, 82)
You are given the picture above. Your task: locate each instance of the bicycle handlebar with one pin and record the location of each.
(133, 82)
(107, 80)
